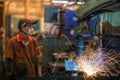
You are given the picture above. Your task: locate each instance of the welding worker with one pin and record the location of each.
(23, 53)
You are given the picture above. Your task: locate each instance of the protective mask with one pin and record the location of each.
(30, 31)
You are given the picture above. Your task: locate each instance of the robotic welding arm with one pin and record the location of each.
(92, 8)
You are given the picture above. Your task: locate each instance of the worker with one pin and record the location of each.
(23, 53)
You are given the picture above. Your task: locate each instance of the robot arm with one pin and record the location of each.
(94, 7)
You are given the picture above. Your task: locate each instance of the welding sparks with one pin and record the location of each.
(96, 63)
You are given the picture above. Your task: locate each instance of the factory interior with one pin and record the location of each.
(77, 39)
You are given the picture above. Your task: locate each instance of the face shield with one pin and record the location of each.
(30, 29)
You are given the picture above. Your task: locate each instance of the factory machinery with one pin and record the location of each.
(67, 68)
(83, 34)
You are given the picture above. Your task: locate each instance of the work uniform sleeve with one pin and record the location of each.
(38, 59)
(9, 52)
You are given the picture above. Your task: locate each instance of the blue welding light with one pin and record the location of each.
(71, 65)
(74, 74)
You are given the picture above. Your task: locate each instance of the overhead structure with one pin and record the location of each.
(67, 2)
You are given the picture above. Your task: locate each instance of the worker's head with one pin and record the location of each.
(26, 25)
